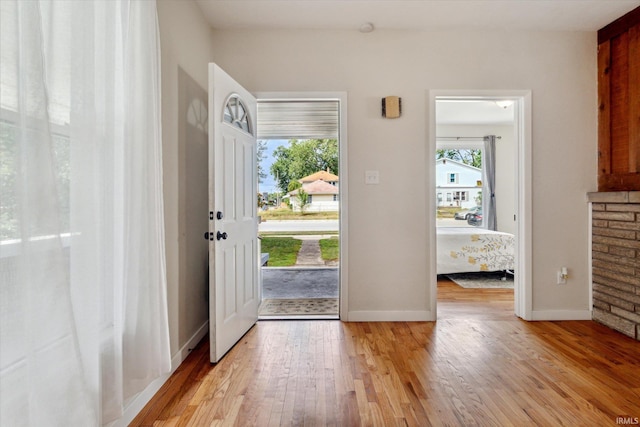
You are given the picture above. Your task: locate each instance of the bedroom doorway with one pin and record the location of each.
(481, 209)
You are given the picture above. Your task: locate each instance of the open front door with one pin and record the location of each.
(233, 226)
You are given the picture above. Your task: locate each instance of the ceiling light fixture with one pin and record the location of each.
(504, 104)
(367, 27)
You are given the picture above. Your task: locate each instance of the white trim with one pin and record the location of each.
(432, 203)
(390, 316)
(343, 221)
(523, 293)
(558, 315)
(13, 247)
(138, 403)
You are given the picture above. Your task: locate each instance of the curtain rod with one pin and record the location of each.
(462, 138)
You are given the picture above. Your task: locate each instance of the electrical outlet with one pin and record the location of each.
(371, 177)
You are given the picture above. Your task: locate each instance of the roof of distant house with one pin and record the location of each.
(317, 187)
(321, 175)
(455, 162)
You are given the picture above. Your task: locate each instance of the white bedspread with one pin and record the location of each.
(463, 250)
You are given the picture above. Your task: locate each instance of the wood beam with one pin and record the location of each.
(604, 108)
(634, 99)
(619, 26)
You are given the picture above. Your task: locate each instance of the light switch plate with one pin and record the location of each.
(372, 177)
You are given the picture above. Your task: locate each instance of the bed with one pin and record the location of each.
(464, 250)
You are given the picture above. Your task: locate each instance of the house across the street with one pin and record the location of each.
(323, 191)
(457, 184)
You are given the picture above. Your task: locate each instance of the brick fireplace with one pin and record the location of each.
(616, 260)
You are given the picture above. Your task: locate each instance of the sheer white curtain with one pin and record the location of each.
(83, 320)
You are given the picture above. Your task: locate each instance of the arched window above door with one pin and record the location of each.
(237, 115)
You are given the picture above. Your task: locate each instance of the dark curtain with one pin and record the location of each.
(489, 170)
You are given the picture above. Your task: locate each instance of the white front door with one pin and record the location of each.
(233, 226)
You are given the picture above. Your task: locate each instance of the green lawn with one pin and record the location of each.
(330, 249)
(288, 214)
(283, 251)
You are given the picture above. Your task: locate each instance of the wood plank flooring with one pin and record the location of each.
(478, 365)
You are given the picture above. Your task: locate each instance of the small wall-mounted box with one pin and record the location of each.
(391, 107)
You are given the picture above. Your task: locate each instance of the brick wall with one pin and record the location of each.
(616, 260)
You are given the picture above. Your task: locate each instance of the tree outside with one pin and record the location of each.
(302, 158)
(471, 157)
(303, 199)
(260, 155)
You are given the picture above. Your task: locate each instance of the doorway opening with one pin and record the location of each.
(301, 201)
(480, 199)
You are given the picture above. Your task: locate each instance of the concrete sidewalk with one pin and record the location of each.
(310, 254)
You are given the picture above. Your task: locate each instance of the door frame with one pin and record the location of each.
(343, 222)
(523, 294)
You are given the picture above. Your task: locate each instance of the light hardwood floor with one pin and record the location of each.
(477, 365)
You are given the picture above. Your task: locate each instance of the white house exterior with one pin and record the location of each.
(457, 184)
(323, 191)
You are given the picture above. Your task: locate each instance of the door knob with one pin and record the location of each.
(222, 236)
(208, 236)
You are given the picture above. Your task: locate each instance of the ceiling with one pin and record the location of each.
(421, 15)
(477, 112)
(430, 15)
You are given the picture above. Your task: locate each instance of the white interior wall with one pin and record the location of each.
(186, 44)
(387, 257)
(387, 268)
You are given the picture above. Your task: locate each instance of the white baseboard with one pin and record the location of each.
(551, 315)
(426, 316)
(182, 354)
(139, 402)
(390, 316)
